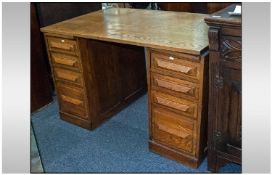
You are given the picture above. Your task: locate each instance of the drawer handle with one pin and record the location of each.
(64, 61)
(175, 67)
(172, 104)
(66, 76)
(62, 46)
(171, 58)
(173, 86)
(71, 100)
(180, 132)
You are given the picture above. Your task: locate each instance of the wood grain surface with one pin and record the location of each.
(174, 31)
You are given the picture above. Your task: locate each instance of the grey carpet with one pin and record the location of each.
(119, 145)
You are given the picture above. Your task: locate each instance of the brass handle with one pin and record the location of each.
(71, 100)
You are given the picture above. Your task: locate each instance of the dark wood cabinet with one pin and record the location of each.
(51, 13)
(213, 7)
(194, 7)
(224, 126)
(41, 89)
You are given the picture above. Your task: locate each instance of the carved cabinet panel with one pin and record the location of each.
(231, 48)
(229, 94)
(229, 116)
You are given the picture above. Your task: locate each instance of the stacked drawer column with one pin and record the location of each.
(177, 110)
(67, 72)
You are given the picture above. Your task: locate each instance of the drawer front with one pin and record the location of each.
(72, 100)
(172, 130)
(68, 61)
(179, 105)
(175, 86)
(175, 65)
(68, 76)
(62, 45)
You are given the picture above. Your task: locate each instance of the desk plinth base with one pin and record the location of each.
(75, 120)
(174, 155)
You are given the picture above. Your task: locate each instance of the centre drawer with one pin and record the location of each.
(175, 86)
(172, 130)
(68, 76)
(72, 100)
(175, 66)
(179, 105)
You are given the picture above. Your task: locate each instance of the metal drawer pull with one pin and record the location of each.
(171, 58)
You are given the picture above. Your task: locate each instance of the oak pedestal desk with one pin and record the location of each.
(98, 65)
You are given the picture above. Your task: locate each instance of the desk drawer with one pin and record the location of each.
(72, 100)
(174, 86)
(175, 65)
(68, 76)
(62, 45)
(179, 105)
(68, 61)
(172, 130)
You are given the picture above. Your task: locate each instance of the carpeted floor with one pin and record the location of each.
(36, 164)
(119, 145)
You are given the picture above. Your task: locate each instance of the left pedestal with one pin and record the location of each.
(94, 79)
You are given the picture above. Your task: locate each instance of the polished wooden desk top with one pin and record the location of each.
(174, 31)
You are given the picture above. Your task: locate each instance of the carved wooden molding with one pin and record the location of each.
(213, 39)
(219, 82)
(231, 50)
